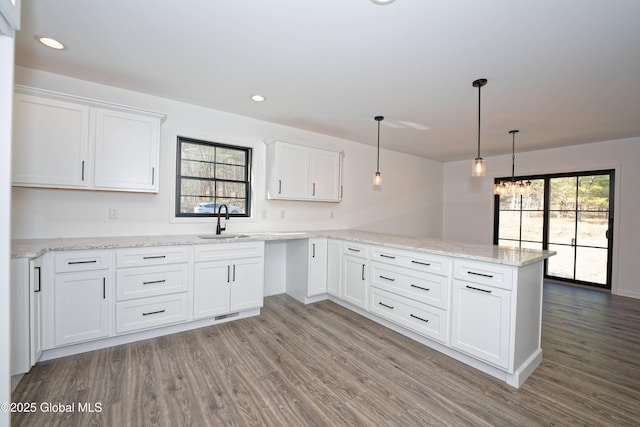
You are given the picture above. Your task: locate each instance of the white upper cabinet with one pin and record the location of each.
(325, 175)
(297, 171)
(63, 141)
(126, 147)
(51, 145)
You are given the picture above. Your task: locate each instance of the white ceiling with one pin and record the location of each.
(563, 72)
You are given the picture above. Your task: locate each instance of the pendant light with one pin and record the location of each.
(478, 164)
(377, 178)
(513, 187)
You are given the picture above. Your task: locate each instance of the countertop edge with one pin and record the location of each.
(33, 248)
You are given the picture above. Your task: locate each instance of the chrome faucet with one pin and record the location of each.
(220, 229)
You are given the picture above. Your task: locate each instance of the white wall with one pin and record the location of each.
(410, 202)
(6, 90)
(468, 202)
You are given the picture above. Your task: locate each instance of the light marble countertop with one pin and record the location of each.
(32, 248)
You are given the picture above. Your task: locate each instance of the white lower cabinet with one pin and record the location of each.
(481, 313)
(82, 306)
(353, 285)
(82, 294)
(151, 312)
(228, 278)
(306, 269)
(421, 318)
(152, 287)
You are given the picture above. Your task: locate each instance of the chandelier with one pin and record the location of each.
(511, 186)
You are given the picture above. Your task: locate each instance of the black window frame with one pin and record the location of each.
(546, 211)
(246, 181)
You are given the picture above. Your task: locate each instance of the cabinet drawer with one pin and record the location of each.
(484, 273)
(225, 251)
(427, 288)
(421, 318)
(81, 261)
(138, 257)
(360, 250)
(150, 312)
(427, 263)
(151, 281)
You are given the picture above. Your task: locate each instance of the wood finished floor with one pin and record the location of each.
(323, 365)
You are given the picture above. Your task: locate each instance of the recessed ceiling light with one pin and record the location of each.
(258, 98)
(382, 2)
(49, 42)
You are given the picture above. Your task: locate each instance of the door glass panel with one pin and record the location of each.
(510, 225)
(561, 265)
(592, 229)
(532, 226)
(591, 265)
(562, 227)
(562, 194)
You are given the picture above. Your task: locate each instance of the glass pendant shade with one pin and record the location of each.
(478, 167)
(377, 179)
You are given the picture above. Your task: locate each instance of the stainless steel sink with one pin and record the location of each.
(224, 236)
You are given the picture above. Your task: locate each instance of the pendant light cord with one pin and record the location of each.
(479, 96)
(378, 163)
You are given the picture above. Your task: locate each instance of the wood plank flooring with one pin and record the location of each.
(322, 365)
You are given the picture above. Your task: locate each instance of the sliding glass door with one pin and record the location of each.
(571, 214)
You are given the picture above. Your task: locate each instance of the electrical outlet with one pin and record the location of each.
(114, 213)
(264, 214)
(282, 214)
(331, 215)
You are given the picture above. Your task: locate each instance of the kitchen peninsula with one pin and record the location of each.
(479, 304)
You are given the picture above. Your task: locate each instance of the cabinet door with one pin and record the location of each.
(317, 267)
(211, 289)
(50, 143)
(480, 318)
(325, 175)
(334, 253)
(292, 171)
(354, 280)
(35, 305)
(246, 284)
(81, 306)
(126, 151)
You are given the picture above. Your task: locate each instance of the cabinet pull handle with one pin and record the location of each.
(153, 176)
(104, 288)
(154, 312)
(83, 170)
(93, 261)
(39, 279)
(154, 257)
(387, 256)
(228, 273)
(490, 276)
(353, 249)
(363, 266)
(341, 191)
(387, 278)
(419, 287)
(313, 250)
(279, 186)
(153, 282)
(421, 263)
(385, 305)
(419, 318)
(314, 189)
(234, 272)
(478, 289)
